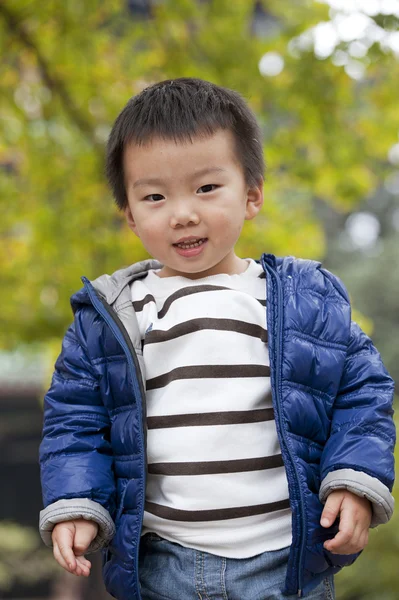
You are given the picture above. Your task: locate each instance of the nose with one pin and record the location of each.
(184, 214)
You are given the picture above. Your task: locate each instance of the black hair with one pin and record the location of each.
(181, 109)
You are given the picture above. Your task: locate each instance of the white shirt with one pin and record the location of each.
(216, 480)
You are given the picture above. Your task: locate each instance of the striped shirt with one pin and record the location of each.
(216, 480)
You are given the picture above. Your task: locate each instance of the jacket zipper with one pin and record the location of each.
(112, 320)
(269, 270)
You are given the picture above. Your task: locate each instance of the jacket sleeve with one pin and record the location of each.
(358, 455)
(75, 454)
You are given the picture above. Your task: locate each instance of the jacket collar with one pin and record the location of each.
(111, 287)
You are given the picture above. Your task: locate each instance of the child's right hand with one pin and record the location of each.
(70, 541)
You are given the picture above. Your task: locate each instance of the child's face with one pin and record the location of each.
(187, 202)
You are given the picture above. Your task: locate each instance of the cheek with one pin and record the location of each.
(229, 225)
(152, 233)
(148, 225)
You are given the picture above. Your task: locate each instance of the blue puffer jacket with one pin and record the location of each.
(332, 399)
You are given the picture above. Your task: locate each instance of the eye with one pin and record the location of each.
(210, 187)
(154, 197)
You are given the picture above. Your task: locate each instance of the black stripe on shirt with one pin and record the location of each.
(208, 372)
(235, 417)
(138, 305)
(221, 514)
(187, 291)
(216, 467)
(193, 325)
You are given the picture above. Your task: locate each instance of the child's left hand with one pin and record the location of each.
(354, 521)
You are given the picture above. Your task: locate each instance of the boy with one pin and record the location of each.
(216, 424)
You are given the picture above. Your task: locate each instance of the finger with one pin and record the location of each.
(345, 549)
(345, 533)
(58, 557)
(64, 540)
(357, 542)
(84, 565)
(345, 541)
(351, 538)
(331, 509)
(77, 570)
(82, 560)
(82, 568)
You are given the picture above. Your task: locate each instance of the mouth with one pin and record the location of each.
(190, 242)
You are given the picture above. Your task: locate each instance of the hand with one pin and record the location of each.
(354, 521)
(70, 541)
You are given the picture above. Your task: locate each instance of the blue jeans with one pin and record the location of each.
(169, 571)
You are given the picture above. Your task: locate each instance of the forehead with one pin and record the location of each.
(166, 156)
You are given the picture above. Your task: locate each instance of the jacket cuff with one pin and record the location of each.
(77, 508)
(362, 485)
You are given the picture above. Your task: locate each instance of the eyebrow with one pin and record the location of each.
(157, 181)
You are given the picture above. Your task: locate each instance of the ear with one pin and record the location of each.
(130, 220)
(254, 201)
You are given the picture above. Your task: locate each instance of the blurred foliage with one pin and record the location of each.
(62, 85)
(23, 559)
(371, 272)
(67, 70)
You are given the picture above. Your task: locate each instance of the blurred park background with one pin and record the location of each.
(323, 78)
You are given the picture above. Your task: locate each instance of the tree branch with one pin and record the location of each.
(55, 84)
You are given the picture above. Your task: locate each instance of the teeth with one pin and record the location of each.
(190, 244)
